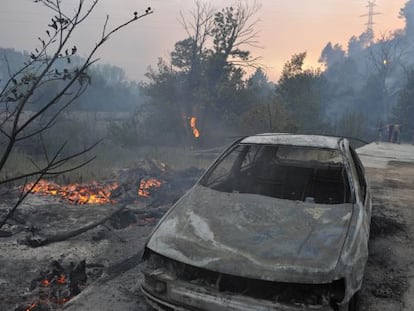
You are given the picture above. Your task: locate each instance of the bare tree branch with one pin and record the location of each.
(50, 168)
(40, 70)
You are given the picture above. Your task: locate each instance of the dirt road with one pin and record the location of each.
(388, 281)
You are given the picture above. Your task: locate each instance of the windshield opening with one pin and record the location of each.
(286, 172)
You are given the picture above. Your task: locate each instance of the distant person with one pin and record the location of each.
(380, 128)
(390, 129)
(396, 134)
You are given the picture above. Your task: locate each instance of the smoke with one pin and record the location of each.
(368, 77)
(407, 12)
(332, 54)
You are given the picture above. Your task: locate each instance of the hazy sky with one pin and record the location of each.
(286, 27)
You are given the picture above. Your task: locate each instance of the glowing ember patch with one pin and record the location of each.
(61, 279)
(75, 193)
(62, 301)
(45, 282)
(146, 185)
(193, 125)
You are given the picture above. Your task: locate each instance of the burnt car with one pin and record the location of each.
(278, 222)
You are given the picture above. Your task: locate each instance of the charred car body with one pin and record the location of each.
(278, 222)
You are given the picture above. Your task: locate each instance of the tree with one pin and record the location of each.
(165, 110)
(190, 53)
(265, 113)
(204, 76)
(407, 12)
(385, 58)
(298, 90)
(332, 54)
(352, 124)
(260, 95)
(233, 30)
(403, 112)
(50, 64)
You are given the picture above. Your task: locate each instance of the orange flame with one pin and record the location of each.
(193, 122)
(146, 185)
(31, 307)
(59, 296)
(75, 193)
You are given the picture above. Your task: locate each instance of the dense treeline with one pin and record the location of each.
(85, 120)
(368, 85)
(108, 89)
(361, 88)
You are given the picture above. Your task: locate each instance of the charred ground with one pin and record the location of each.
(111, 251)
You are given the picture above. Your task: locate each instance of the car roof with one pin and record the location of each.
(316, 141)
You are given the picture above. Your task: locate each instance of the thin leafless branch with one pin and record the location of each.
(39, 71)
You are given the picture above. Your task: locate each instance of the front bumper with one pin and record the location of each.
(184, 296)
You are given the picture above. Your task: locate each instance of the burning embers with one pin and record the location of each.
(146, 185)
(57, 285)
(193, 125)
(94, 193)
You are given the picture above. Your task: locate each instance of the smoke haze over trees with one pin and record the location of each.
(360, 88)
(369, 81)
(109, 90)
(202, 84)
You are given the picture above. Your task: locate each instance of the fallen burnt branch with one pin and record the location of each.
(41, 241)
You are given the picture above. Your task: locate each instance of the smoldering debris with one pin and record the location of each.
(44, 215)
(58, 284)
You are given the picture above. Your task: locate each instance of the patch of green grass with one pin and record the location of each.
(18, 163)
(109, 159)
(179, 158)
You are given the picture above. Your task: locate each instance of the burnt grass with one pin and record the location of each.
(386, 274)
(382, 226)
(104, 250)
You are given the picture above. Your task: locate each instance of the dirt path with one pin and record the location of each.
(388, 283)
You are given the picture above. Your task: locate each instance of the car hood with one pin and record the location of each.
(254, 236)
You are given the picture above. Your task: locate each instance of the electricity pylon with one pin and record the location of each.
(370, 24)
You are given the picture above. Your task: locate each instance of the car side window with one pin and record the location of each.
(360, 173)
(250, 157)
(224, 168)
